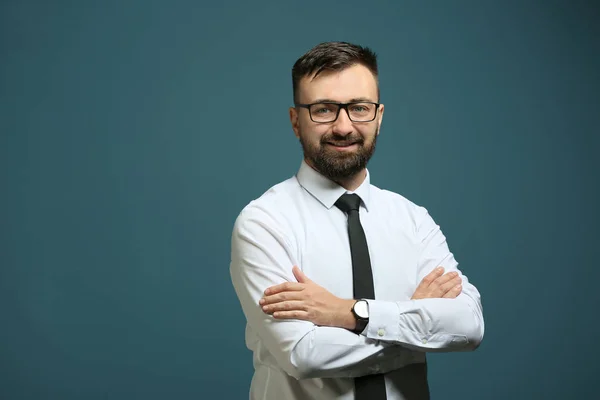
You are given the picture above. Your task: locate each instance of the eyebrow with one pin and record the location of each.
(354, 100)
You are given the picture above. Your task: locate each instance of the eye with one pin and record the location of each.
(323, 109)
(360, 108)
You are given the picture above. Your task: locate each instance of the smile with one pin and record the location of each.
(342, 145)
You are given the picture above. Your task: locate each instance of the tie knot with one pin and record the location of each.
(348, 202)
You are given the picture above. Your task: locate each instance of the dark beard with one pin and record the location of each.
(336, 165)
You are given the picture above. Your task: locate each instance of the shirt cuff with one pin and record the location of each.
(384, 320)
(410, 322)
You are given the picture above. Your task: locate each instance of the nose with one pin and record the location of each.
(342, 125)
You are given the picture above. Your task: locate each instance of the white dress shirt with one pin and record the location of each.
(296, 223)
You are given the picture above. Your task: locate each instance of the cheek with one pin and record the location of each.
(368, 132)
(313, 132)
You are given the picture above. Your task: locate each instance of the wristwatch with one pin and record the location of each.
(360, 309)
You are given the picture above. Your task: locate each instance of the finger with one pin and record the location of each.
(284, 287)
(443, 289)
(284, 306)
(432, 276)
(457, 280)
(445, 281)
(279, 297)
(303, 315)
(299, 274)
(454, 292)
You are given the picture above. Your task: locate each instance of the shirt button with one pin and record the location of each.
(424, 341)
(381, 332)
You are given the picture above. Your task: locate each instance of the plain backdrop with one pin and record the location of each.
(133, 132)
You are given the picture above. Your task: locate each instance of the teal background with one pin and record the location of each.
(133, 133)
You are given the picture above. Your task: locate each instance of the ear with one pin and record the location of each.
(294, 121)
(381, 107)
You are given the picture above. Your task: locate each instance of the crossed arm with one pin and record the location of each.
(308, 330)
(306, 300)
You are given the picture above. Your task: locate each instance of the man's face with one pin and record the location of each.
(342, 148)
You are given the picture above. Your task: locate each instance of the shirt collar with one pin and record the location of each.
(327, 191)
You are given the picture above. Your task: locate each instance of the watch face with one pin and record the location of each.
(361, 308)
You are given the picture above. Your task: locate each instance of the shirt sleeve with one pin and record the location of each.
(430, 325)
(262, 256)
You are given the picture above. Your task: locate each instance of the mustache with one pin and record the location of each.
(342, 140)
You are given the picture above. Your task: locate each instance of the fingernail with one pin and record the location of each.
(439, 269)
(262, 301)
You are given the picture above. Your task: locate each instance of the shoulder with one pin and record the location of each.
(398, 207)
(395, 201)
(271, 207)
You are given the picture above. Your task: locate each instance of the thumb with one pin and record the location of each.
(300, 277)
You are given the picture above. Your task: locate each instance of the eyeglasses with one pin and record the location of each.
(329, 112)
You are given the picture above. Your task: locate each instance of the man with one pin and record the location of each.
(345, 286)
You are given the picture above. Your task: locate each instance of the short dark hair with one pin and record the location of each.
(332, 56)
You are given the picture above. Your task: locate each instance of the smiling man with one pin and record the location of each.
(345, 286)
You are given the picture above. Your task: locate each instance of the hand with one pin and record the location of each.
(436, 285)
(308, 301)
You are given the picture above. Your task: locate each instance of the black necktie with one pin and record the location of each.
(369, 387)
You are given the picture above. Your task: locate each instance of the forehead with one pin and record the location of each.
(342, 86)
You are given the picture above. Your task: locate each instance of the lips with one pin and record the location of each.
(344, 144)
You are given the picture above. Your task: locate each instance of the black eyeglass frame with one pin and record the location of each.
(340, 107)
